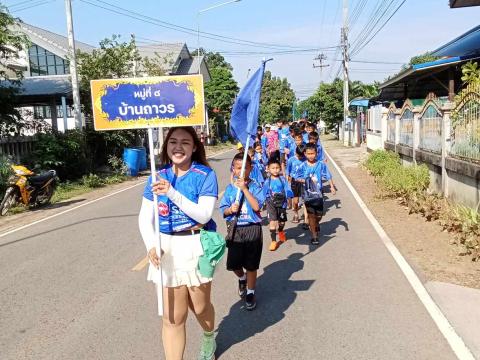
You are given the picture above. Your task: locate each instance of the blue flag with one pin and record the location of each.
(244, 120)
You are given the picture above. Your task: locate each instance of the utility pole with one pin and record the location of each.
(321, 58)
(79, 123)
(345, 61)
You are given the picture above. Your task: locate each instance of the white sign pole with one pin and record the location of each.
(157, 224)
(244, 163)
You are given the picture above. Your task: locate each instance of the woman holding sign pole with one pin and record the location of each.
(187, 191)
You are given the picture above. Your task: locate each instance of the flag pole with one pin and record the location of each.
(156, 221)
(244, 163)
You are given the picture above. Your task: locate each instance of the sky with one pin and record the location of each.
(293, 33)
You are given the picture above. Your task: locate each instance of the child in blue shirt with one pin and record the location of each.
(313, 138)
(294, 175)
(276, 191)
(245, 249)
(315, 171)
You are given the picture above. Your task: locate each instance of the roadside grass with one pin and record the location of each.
(409, 185)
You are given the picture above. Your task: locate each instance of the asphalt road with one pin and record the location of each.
(67, 291)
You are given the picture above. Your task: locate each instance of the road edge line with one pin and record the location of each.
(87, 203)
(454, 340)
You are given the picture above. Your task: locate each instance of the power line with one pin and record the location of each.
(136, 15)
(30, 6)
(385, 23)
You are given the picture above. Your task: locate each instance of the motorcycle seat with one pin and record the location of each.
(40, 179)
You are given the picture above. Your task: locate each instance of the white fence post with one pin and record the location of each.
(446, 127)
(416, 132)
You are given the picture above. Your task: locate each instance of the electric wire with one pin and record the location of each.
(136, 15)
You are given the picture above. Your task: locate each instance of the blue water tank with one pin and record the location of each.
(131, 156)
(143, 158)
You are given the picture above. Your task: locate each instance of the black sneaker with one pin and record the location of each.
(242, 288)
(315, 241)
(250, 301)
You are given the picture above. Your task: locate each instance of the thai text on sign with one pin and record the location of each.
(148, 102)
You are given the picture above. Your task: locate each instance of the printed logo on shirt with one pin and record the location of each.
(163, 209)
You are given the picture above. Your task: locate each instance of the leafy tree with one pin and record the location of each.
(10, 44)
(471, 73)
(327, 102)
(423, 58)
(276, 100)
(221, 90)
(156, 66)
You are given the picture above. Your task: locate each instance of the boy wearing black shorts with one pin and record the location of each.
(245, 247)
(276, 191)
(294, 176)
(313, 171)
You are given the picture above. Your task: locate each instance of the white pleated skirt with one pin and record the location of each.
(179, 263)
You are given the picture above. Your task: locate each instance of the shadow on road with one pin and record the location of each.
(57, 205)
(276, 292)
(64, 227)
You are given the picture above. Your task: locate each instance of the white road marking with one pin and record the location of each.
(453, 339)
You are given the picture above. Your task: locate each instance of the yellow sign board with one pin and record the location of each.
(140, 103)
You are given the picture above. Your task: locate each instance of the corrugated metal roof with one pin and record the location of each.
(56, 39)
(171, 53)
(467, 44)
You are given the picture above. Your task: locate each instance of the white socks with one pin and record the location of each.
(250, 291)
(243, 278)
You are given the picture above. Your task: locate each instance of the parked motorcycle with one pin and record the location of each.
(25, 187)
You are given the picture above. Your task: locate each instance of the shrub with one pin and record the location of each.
(93, 181)
(64, 152)
(409, 183)
(117, 164)
(115, 179)
(380, 161)
(5, 172)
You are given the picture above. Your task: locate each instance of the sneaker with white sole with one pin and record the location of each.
(250, 301)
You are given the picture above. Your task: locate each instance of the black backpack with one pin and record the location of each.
(312, 194)
(278, 199)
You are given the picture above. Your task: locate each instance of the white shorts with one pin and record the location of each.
(179, 263)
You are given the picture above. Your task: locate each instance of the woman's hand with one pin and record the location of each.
(153, 257)
(160, 187)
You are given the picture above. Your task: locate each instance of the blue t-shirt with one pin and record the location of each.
(305, 137)
(320, 152)
(278, 185)
(318, 171)
(256, 174)
(259, 160)
(283, 134)
(264, 143)
(200, 180)
(247, 215)
(294, 167)
(289, 144)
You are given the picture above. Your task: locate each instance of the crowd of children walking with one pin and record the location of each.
(285, 169)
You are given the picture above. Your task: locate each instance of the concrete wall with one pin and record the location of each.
(374, 141)
(457, 179)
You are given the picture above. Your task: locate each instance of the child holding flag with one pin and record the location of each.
(245, 247)
(276, 191)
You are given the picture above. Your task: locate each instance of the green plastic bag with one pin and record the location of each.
(213, 250)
